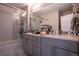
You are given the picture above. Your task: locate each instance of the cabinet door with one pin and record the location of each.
(36, 49)
(65, 44)
(48, 50)
(27, 41)
(61, 52)
(36, 46)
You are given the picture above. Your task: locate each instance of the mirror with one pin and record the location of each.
(35, 23)
(66, 22)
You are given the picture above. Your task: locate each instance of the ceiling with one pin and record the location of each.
(45, 7)
(54, 6)
(18, 5)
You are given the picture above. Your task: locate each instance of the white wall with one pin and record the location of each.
(53, 19)
(5, 26)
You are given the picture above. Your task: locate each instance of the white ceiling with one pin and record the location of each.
(18, 5)
(45, 7)
(54, 6)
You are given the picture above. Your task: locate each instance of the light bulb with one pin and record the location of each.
(23, 14)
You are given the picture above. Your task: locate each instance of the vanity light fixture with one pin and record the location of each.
(18, 17)
(24, 14)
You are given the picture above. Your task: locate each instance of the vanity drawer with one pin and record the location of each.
(36, 39)
(46, 40)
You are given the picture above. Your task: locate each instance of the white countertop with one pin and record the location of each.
(62, 37)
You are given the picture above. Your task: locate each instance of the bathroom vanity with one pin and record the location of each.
(51, 45)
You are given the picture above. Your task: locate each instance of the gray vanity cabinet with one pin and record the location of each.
(50, 41)
(47, 47)
(27, 43)
(62, 52)
(36, 46)
(66, 48)
(66, 44)
(58, 47)
(47, 50)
